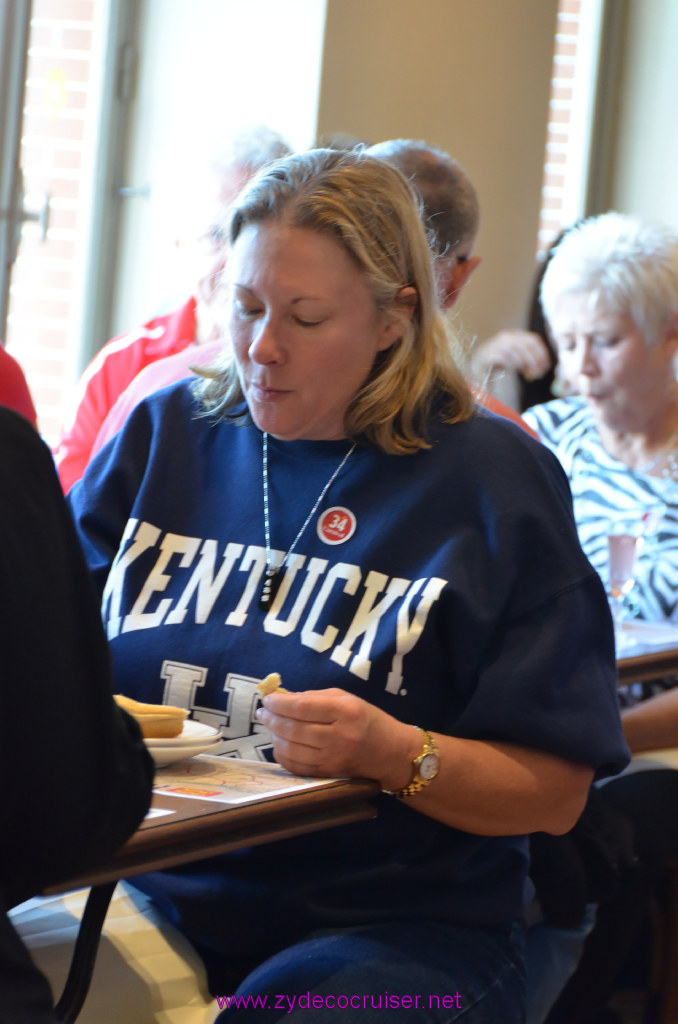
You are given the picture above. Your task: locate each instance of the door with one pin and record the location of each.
(112, 99)
(14, 24)
(59, 87)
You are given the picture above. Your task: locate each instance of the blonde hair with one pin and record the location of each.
(369, 208)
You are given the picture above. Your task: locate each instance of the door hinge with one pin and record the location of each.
(126, 69)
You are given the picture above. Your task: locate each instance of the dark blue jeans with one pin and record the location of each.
(417, 971)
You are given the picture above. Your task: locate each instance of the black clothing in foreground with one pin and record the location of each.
(75, 775)
(647, 799)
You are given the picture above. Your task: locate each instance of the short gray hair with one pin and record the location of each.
(629, 263)
(249, 149)
(450, 201)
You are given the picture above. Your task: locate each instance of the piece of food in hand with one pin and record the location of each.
(156, 721)
(270, 684)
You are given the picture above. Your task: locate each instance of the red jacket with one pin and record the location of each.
(14, 391)
(494, 405)
(107, 376)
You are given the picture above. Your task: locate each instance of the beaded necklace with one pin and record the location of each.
(272, 576)
(670, 453)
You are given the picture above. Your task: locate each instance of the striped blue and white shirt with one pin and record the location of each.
(607, 494)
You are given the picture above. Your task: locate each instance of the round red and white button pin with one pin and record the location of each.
(336, 525)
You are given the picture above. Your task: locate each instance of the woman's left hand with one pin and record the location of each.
(336, 734)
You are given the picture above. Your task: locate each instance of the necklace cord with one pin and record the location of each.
(267, 529)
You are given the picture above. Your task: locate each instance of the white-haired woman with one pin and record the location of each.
(610, 296)
(326, 503)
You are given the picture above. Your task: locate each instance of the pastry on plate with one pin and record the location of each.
(155, 720)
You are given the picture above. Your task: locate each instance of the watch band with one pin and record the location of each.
(418, 781)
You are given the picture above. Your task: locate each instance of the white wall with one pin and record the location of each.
(645, 113)
(205, 67)
(472, 78)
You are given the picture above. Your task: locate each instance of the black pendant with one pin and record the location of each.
(272, 581)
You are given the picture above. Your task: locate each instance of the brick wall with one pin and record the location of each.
(46, 281)
(558, 167)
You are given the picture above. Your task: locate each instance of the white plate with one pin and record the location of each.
(191, 733)
(168, 754)
(194, 738)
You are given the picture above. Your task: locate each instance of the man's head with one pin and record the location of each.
(450, 208)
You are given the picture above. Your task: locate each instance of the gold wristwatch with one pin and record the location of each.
(425, 767)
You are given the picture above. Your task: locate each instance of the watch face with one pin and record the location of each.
(428, 767)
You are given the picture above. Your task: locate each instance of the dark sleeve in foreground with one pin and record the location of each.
(76, 776)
